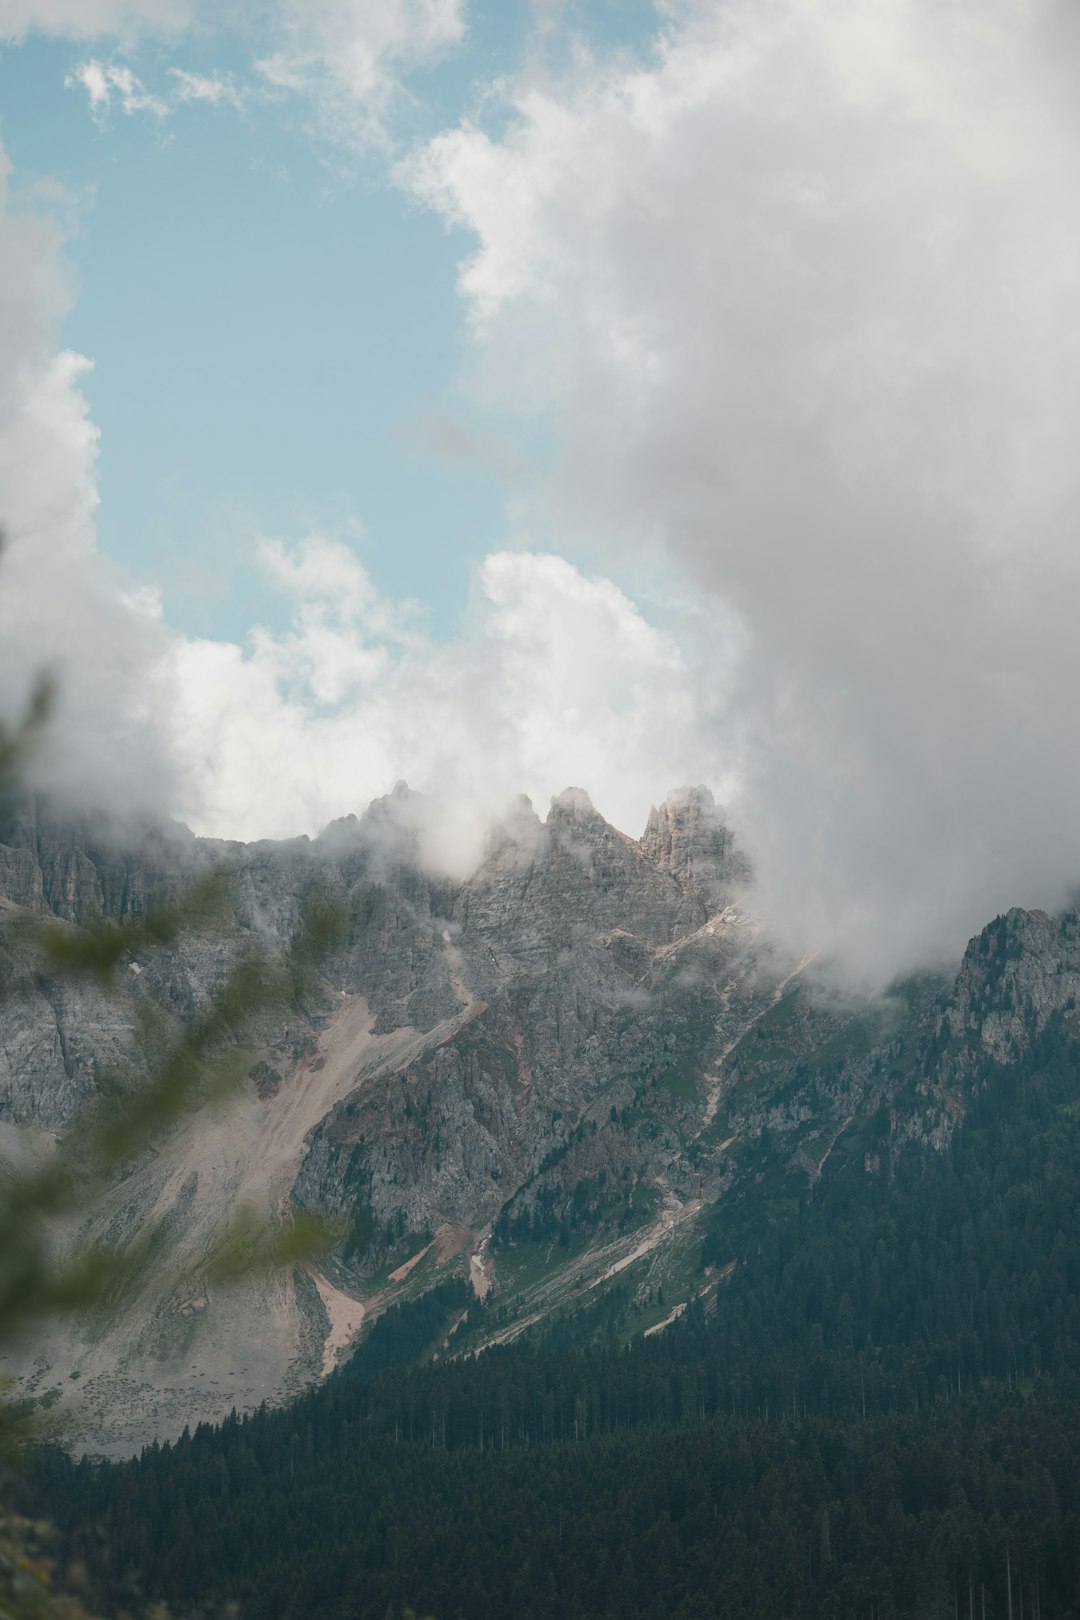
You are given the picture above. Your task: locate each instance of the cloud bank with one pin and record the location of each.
(61, 609)
(557, 678)
(799, 292)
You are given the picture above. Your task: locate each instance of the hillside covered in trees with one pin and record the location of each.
(876, 1413)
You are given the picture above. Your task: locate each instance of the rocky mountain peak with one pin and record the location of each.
(688, 838)
(390, 826)
(342, 834)
(574, 805)
(517, 837)
(1021, 970)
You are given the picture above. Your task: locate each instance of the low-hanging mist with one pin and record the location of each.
(800, 292)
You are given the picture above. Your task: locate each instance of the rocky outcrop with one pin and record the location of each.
(1016, 974)
(688, 838)
(80, 870)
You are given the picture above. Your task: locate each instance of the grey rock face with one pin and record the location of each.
(464, 1040)
(688, 838)
(81, 871)
(1021, 970)
(582, 1035)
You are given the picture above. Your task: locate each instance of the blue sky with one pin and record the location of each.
(273, 323)
(270, 326)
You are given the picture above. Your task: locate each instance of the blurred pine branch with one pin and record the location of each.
(194, 1067)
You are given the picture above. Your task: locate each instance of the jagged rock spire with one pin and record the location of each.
(688, 838)
(573, 804)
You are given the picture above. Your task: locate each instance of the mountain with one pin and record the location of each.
(583, 1068)
(873, 1408)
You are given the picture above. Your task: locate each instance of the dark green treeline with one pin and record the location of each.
(877, 1415)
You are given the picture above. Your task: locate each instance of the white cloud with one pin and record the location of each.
(60, 608)
(559, 680)
(107, 83)
(799, 290)
(103, 81)
(91, 19)
(353, 58)
(213, 89)
(329, 654)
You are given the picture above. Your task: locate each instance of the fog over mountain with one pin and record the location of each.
(800, 293)
(797, 292)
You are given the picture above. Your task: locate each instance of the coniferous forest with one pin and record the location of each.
(876, 1414)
